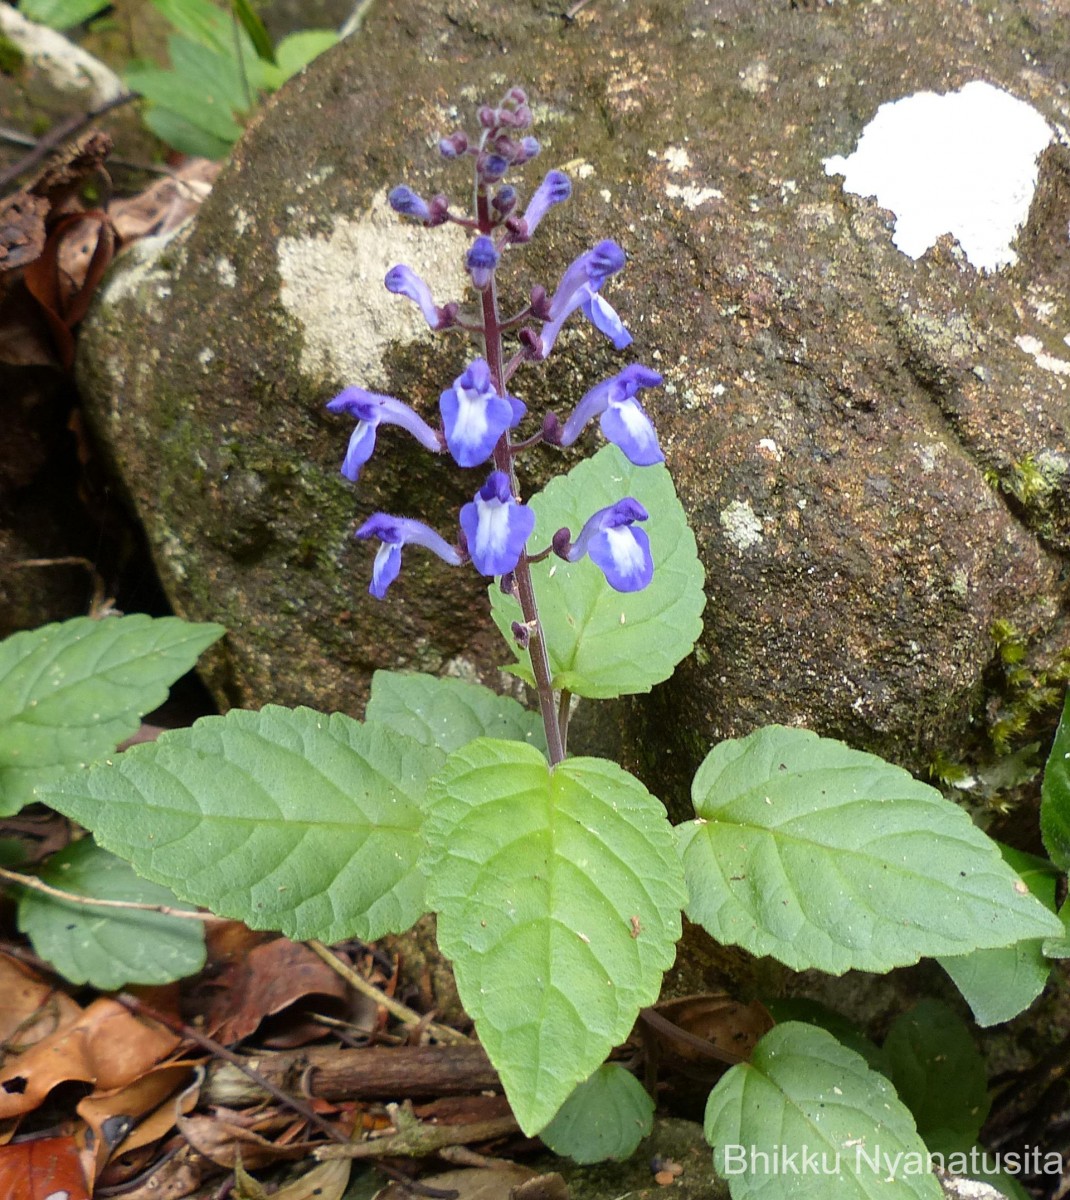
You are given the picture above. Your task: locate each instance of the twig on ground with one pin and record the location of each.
(396, 1009)
(411, 1138)
(220, 1051)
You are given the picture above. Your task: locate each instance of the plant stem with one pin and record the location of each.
(503, 461)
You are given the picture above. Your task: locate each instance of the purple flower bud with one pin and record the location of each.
(453, 146)
(492, 167)
(481, 261)
(529, 149)
(623, 419)
(440, 210)
(474, 416)
(521, 634)
(621, 552)
(515, 95)
(370, 411)
(523, 117)
(403, 281)
(554, 189)
(395, 532)
(488, 117)
(405, 201)
(504, 200)
(497, 526)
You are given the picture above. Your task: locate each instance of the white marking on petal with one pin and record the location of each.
(471, 424)
(626, 551)
(636, 423)
(492, 532)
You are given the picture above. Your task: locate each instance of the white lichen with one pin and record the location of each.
(963, 163)
(333, 286)
(741, 524)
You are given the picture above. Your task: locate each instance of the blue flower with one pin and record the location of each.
(554, 189)
(624, 422)
(474, 416)
(619, 550)
(395, 532)
(370, 411)
(578, 289)
(405, 201)
(497, 526)
(481, 261)
(403, 281)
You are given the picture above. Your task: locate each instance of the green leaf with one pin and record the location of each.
(604, 643)
(299, 49)
(72, 692)
(108, 947)
(1055, 795)
(999, 984)
(803, 1094)
(830, 858)
(449, 713)
(1059, 947)
(61, 14)
(183, 96)
(285, 818)
(606, 1117)
(209, 25)
(938, 1074)
(255, 28)
(559, 898)
(217, 76)
(813, 1012)
(178, 133)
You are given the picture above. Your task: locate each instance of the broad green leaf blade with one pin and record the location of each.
(1059, 947)
(449, 713)
(830, 858)
(108, 947)
(1055, 795)
(168, 89)
(938, 1074)
(813, 1012)
(299, 49)
(559, 898)
(804, 1095)
(72, 692)
(218, 77)
(1000, 984)
(606, 1117)
(604, 643)
(206, 23)
(178, 133)
(285, 818)
(61, 14)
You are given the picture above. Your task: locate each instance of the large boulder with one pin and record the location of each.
(876, 469)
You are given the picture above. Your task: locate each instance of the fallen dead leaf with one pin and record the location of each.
(105, 1045)
(45, 1169)
(30, 1008)
(470, 1183)
(328, 1181)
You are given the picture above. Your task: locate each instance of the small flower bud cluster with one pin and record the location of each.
(476, 412)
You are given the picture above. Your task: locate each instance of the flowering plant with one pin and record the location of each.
(558, 881)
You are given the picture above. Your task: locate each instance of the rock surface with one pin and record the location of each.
(875, 468)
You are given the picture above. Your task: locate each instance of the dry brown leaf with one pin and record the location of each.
(106, 1046)
(175, 1178)
(45, 1169)
(470, 1183)
(230, 1136)
(114, 1118)
(270, 978)
(718, 1019)
(162, 207)
(328, 1181)
(30, 1008)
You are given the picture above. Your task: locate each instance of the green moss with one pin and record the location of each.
(12, 59)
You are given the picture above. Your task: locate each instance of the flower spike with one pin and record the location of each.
(474, 416)
(623, 419)
(497, 526)
(370, 411)
(393, 533)
(621, 552)
(403, 281)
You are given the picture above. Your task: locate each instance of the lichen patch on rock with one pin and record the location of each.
(334, 288)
